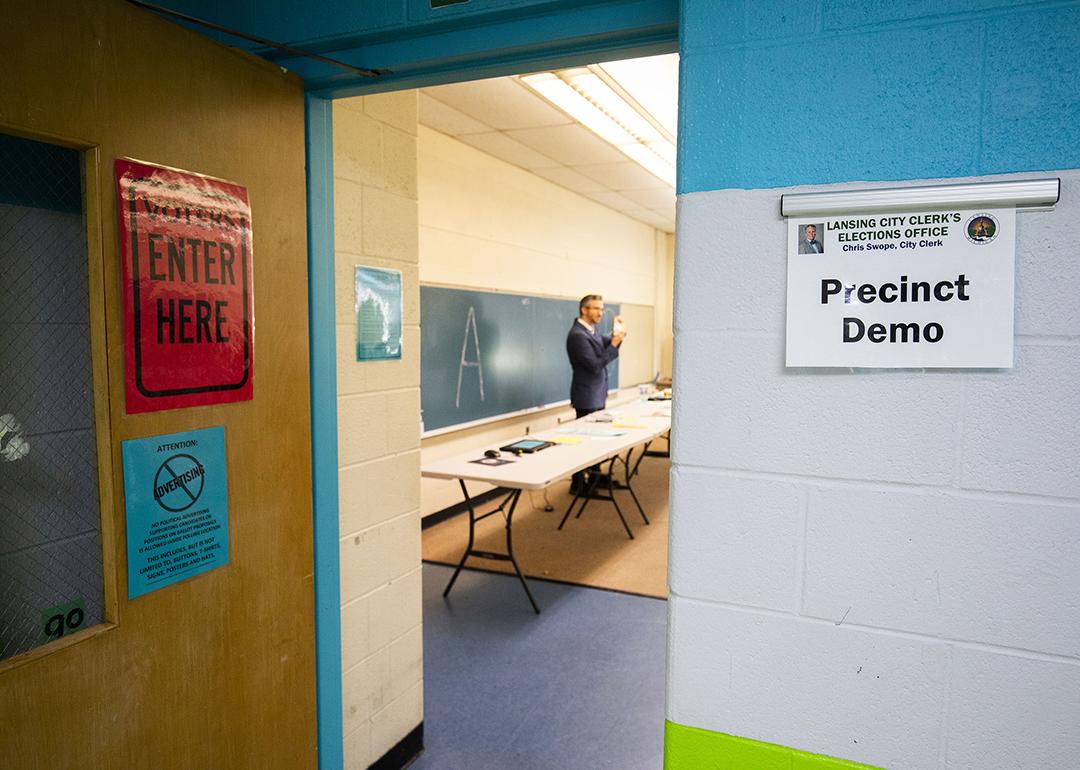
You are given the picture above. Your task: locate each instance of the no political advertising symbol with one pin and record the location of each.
(179, 482)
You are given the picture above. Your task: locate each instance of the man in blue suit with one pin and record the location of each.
(590, 352)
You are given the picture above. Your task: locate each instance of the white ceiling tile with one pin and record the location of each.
(655, 198)
(504, 148)
(570, 179)
(668, 218)
(650, 217)
(444, 118)
(620, 176)
(571, 145)
(613, 200)
(502, 103)
(667, 211)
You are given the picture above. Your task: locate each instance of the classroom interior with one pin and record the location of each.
(483, 185)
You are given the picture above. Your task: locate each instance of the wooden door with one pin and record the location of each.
(215, 671)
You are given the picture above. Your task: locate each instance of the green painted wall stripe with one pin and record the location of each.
(691, 748)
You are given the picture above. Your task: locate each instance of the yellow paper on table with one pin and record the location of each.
(626, 425)
(565, 440)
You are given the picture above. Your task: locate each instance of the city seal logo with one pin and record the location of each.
(981, 229)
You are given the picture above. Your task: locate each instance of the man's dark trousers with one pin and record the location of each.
(577, 481)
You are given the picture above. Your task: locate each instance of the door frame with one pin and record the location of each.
(544, 45)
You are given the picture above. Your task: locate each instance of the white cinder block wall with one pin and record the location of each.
(877, 565)
(487, 224)
(375, 220)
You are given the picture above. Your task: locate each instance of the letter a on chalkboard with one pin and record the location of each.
(470, 321)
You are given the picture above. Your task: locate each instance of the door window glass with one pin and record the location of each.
(50, 524)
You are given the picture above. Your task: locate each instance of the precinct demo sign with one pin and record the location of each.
(176, 495)
(909, 289)
(188, 319)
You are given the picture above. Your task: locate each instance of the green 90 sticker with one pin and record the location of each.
(62, 619)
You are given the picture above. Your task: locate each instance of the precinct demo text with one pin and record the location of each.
(833, 290)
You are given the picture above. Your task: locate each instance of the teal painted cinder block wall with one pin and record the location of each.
(786, 93)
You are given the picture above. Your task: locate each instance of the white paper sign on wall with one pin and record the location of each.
(902, 289)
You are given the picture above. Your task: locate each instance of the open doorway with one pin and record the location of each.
(537, 190)
(493, 190)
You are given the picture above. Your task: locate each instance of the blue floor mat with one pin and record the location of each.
(578, 687)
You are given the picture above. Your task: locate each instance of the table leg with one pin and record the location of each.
(512, 499)
(663, 454)
(472, 538)
(630, 473)
(510, 551)
(590, 494)
(644, 453)
(590, 490)
(583, 496)
(611, 494)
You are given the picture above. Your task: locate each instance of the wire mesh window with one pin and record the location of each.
(50, 524)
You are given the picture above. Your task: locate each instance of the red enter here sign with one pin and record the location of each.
(188, 317)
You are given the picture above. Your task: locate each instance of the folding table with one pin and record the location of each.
(635, 424)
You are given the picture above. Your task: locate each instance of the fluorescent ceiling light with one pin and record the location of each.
(558, 92)
(665, 150)
(589, 85)
(584, 95)
(652, 82)
(651, 162)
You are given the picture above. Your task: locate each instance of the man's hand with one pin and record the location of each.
(618, 331)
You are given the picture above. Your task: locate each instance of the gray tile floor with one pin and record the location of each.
(579, 687)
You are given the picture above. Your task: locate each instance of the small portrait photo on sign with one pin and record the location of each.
(810, 238)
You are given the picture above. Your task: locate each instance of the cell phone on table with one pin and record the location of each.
(526, 446)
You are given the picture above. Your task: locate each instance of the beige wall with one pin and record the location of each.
(637, 355)
(665, 289)
(488, 224)
(375, 222)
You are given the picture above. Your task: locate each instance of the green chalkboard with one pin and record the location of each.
(484, 353)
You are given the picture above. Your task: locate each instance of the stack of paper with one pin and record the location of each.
(566, 440)
(593, 431)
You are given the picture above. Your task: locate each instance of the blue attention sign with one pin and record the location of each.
(176, 494)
